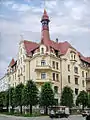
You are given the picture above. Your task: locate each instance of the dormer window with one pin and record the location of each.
(42, 50)
(72, 56)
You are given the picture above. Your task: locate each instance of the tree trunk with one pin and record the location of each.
(30, 109)
(83, 107)
(7, 108)
(21, 109)
(12, 109)
(46, 110)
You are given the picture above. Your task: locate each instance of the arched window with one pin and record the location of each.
(42, 50)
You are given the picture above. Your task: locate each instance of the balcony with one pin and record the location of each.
(43, 67)
(42, 80)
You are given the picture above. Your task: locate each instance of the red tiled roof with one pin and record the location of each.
(63, 48)
(30, 46)
(12, 63)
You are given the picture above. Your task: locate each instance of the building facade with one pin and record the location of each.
(50, 61)
(4, 83)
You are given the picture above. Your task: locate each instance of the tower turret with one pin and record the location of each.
(45, 28)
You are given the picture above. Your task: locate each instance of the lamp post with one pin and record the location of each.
(9, 95)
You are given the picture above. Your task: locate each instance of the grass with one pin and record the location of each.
(23, 115)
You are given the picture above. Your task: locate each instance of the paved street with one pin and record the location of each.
(5, 117)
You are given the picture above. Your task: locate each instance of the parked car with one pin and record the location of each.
(88, 117)
(85, 113)
(59, 112)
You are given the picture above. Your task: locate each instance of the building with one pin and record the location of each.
(4, 83)
(50, 61)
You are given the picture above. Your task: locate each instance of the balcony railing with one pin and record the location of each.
(40, 67)
(38, 80)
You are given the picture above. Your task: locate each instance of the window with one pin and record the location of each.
(24, 68)
(21, 59)
(43, 75)
(53, 64)
(54, 76)
(83, 83)
(68, 78)
(76, 80)
(21, 70)
(43, 63)
(82, 73)
(19, 79)
(71, 56)
(74, 57)
(68, 67)
(23, 79)
(55, 89)
(15, 76)
(76, 69)
(76, 91)
(86, 74)
(57, 77)
(18, 71)
(57, 65)
(21, 51)
(42, 50)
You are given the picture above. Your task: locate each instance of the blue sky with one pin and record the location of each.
(70, 21)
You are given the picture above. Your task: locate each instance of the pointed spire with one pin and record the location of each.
(45, 16)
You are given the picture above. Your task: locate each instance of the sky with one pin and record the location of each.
(20, 19)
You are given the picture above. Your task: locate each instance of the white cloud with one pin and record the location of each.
(21, 7)
(70, 20)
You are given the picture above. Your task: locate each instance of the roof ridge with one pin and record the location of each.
(30, 41)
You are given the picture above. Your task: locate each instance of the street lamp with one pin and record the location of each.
(9, 95)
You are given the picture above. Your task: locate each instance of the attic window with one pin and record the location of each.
(42, 50)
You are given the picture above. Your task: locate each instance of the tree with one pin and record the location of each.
(30, 94)
(18, 96)
(82, 99)
(46, 96)
(88, 100)
(67, 97)
(12, 98)
(7, 99)
(2, 100)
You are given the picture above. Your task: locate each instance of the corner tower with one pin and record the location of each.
(45, 29)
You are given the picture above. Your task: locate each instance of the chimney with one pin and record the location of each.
(57, 40)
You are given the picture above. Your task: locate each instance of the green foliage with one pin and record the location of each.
(89, 100)
(2, 100)
(18, 94)
(25, 96)
(47, 96)
(7, 99)
(30, 94)
(12, 97)
(82, 99)
(67, 97)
